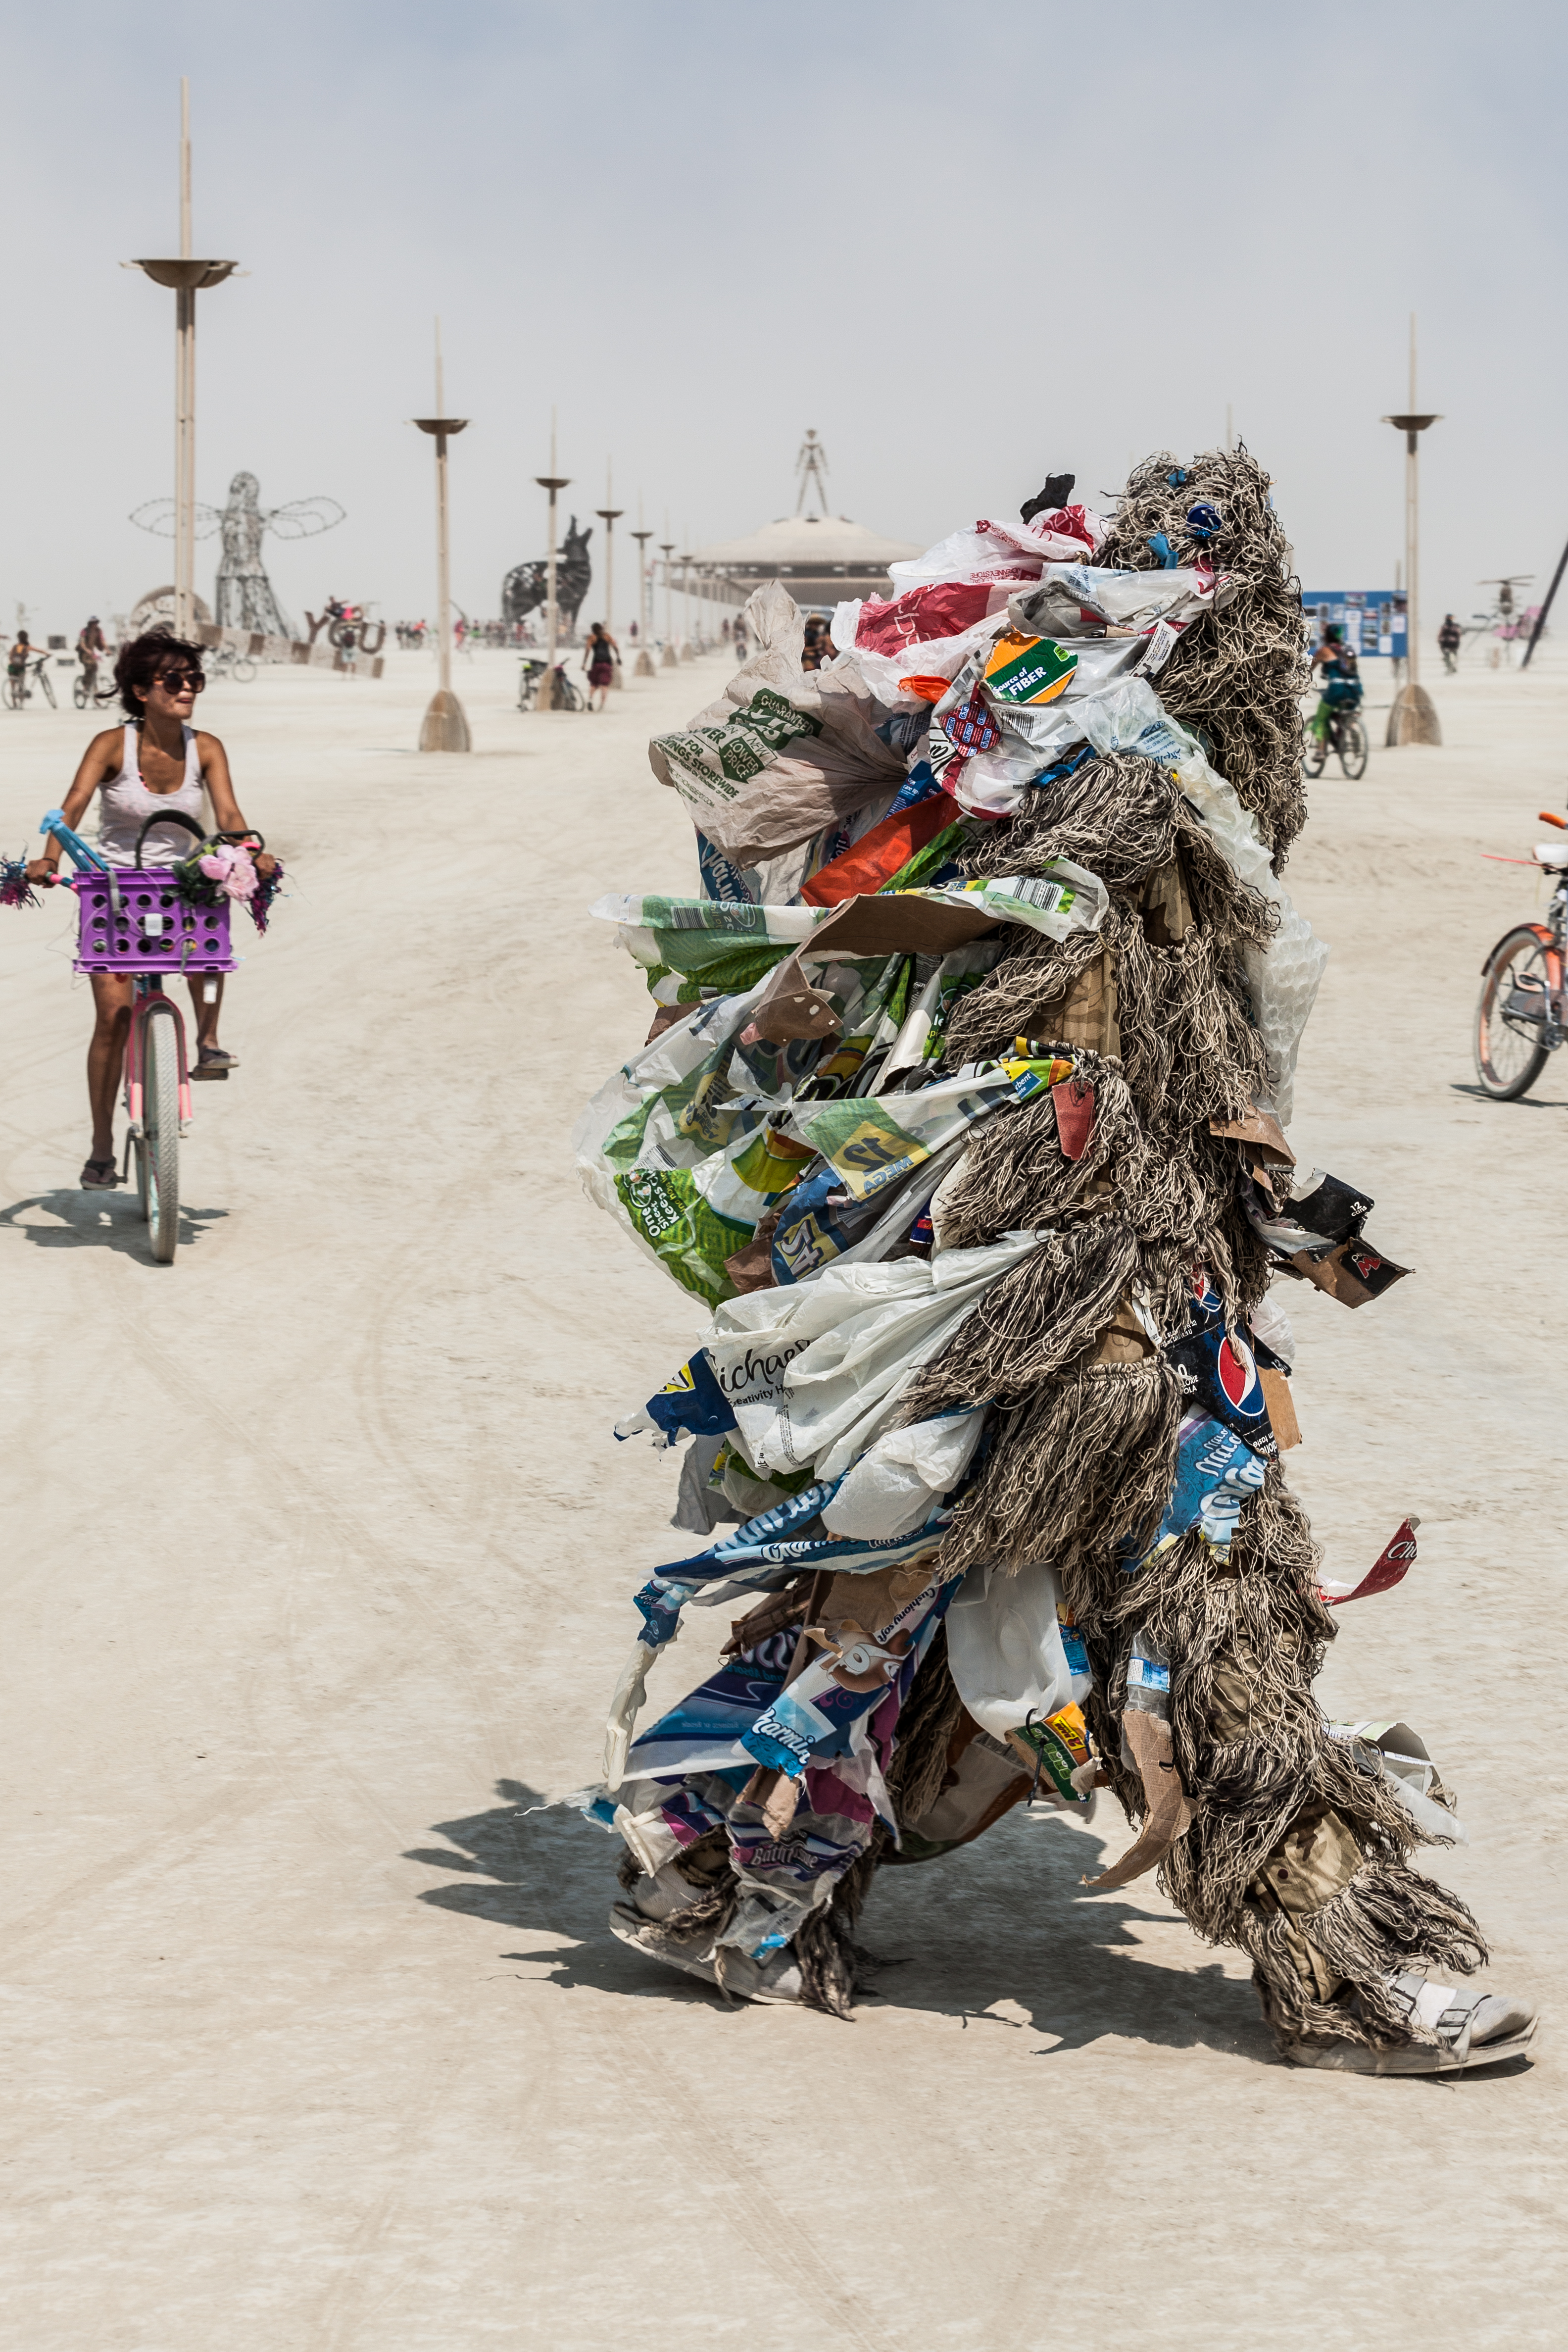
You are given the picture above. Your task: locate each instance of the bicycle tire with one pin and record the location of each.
(244, 672)
(44, 681)
(1314, 756)
(1506, 1064)
(79, 695)
(158, 1156)
(1353, 749)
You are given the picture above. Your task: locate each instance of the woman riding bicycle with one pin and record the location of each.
(159, 759)
(1342, 679)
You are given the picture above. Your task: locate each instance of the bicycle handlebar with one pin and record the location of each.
(86, 860)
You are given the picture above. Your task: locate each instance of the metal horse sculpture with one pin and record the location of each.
(526, 586)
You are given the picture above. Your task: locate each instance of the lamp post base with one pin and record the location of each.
(1413, 718)
(444, 727)
(667, 660)
(645, 668)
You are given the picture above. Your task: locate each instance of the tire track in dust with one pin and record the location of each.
(775, 2234)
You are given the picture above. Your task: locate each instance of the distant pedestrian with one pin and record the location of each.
(600, 655)
(1450, 636)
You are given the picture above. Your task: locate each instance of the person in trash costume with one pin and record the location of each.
(966, 1110)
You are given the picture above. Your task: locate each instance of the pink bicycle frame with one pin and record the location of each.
(149, 992)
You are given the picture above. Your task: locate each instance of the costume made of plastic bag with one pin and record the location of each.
(972, 1137)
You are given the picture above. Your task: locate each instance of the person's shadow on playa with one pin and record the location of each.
(110, 1221)
(1002, 1923)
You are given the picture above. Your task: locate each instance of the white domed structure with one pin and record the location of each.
(819, 558)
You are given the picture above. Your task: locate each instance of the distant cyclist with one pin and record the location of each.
(157, 760)
(91, 647)
(1340, 675)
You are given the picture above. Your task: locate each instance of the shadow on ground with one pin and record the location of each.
(1005, 1920)
(111, 1221)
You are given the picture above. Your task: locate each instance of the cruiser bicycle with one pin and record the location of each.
(133, 920)
(1522, 1011)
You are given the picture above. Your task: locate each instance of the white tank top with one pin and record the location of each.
(126, 804)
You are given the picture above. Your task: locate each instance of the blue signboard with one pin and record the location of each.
(1372, 618)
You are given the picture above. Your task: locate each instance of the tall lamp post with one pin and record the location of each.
(1412, 718)
(610, 515)
(444, 727)
(554, 483)
(669, 658)
(644, 658)
(686, 652)
(186, 277)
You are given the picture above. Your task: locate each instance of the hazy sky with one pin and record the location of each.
(969, 247)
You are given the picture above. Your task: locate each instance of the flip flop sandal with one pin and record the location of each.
(212, 1062)
(1472, 2029)
(98, 1176)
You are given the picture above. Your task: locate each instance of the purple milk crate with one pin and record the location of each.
(154, 930)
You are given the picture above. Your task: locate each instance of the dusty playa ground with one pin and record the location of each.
(318, 1555)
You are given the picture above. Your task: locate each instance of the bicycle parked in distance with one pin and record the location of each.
(531, 692)
(1519, 1018)
(1344, 734)
(226, 662)
(18, 689)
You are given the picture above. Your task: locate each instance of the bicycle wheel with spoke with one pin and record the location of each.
(48, 684)
(244, 671)
(1511, 1016)
(1352, 748)
(1314, 755)
(159, 1155)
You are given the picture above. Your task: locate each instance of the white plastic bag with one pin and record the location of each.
(814, 1374)
(1005, 1648)
(894, 1485)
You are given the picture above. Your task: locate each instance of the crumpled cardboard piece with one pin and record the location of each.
(790, 1008)
(752, 1268)
(1085, 1014)
(1262, 1131)
(1170, 1810)
(1281, 1407)
(1353, 1272)
(897, 923)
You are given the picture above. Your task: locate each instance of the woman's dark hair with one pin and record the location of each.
(142, 662)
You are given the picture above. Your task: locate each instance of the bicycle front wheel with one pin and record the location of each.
(1314, 755)
(158, 1153)
(48, 684)
(1352, 748)
(244, 671)
(1512, 1016)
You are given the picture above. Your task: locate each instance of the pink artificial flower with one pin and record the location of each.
(231, 868)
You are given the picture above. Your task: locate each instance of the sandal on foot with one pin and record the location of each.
(212, 1062)
(98, 1176)
(1472, 2029)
